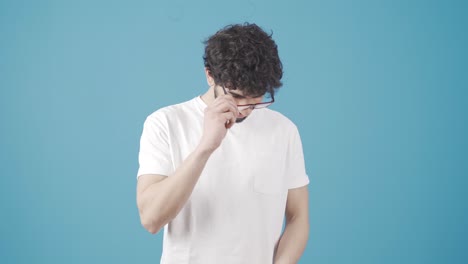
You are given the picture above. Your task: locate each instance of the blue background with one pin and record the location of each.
(377, 89)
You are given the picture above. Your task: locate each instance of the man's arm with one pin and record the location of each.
(160, 198)
(294, 239)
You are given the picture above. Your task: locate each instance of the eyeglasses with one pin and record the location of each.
(250, 106)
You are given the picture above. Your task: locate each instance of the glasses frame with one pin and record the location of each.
(251, 106)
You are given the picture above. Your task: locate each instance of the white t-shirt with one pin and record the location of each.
(236, 211)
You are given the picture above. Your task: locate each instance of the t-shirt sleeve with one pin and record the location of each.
(154, 156)
(297, 176)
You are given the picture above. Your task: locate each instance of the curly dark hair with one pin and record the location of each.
(244, 57)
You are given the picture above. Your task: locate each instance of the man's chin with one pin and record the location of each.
(239, 120)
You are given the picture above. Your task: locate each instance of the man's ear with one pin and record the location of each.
(209, 79)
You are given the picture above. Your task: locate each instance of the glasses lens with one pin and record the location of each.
(263, 105)
(243, 107)
(256, 106)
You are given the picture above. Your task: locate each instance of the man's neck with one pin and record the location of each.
(208, 97)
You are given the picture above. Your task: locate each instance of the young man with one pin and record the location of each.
(220, 172)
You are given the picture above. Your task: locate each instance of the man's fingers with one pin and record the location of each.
(229, 119)
(221, 101)
(226, 106)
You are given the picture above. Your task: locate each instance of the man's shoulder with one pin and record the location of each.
(277, 118)
(173, 110)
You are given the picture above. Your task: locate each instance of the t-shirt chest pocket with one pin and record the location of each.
(268, 172)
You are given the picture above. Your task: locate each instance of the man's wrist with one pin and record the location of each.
(204, 151)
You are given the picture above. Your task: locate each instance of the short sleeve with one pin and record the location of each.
(296, 172)
(154, 156)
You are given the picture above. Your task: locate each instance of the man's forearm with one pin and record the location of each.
(293, 241)
(162, 201)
